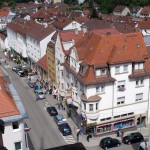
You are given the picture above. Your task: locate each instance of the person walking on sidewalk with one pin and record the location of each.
(78, 133)
(88, 137)
(121, 133)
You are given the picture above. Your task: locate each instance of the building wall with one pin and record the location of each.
(51, 64)
(73, 25)
(11, 136)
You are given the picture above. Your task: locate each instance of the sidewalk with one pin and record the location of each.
(95, 139)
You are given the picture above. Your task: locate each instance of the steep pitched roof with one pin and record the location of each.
(143, 24)
(145, 10)
(119, 8)
(43, 62)
(7, 105)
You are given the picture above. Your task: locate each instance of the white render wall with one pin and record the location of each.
(73, 25)
(10, 136)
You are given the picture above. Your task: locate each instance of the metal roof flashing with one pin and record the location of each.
(19, 105)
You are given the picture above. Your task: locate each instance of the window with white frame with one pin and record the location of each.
(139, 82)
(98, 72)
(15, 125)
(121, 85)
(97, 90)
(103, 71)
(84, 105)
(18, 146)
(90, 107)
(139, 66)
(120, 100)
(139, 97)
(96, 106)
(81, 87)
(117, 69)
(125, 68)
(102, 89)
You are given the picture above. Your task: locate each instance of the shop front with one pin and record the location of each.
(113, 126)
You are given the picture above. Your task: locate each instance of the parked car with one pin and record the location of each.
(36, 88)
(16, 68)
(52, 111)
(133, 138)
(31, 84)
(21, 73)
(40, 94)
(109, 142)
(65, 129)
(59, 119)
(143, 146)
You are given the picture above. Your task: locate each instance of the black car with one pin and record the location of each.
(109, 142)
(133, 138)
(65, 129)
(52, 111)
(21, 73)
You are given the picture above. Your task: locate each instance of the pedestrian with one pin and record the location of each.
(78, 133)
(118, 132)
(122, 134)
(88, 137)
(59, 106)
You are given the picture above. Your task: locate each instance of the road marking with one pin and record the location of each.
(69, 139)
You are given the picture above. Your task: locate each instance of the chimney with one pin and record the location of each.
(76, 31)
(84, 29)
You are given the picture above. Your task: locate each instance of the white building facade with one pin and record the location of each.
(110, 95)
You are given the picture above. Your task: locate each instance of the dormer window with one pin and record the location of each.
(98, 72)
(103, 71)
(81, 69)
(139, 66)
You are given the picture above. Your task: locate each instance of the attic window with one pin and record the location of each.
(138, 45)
(124, 47)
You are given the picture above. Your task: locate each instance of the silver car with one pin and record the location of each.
(40, 94)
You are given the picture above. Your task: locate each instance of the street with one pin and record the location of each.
(44, 132)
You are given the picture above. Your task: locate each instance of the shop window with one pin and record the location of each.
(139, 97)
(106, 128)
(120, 100)
(90, 107)
(125, 68)
(96, 106)
(18, 146)
(15, 125)
(117, 69)
(121, 85)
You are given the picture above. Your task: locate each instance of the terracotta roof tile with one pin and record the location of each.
(119, 8)
(145, 10)
(43, 63)
(7, 104)
(144, 24)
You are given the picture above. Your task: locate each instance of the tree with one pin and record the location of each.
(94, 13)
(12, 4)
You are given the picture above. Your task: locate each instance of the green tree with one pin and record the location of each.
(94, 13)
(11, 4)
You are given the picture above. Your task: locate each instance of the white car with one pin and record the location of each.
(40, 94)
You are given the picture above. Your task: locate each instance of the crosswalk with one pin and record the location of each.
(69, 139)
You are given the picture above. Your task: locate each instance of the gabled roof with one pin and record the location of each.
(43, 62)
(145, 10)
(119, 8)
(62, 23)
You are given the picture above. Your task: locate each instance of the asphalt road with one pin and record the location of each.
(44, 133)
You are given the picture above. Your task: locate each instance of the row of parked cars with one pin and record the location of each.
(60, 121)
(109, 142)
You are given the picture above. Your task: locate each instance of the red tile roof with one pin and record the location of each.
(119, 8)
(43, 63)
(143, 24)
(7, 104)
(145, 10)
(97, 51)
